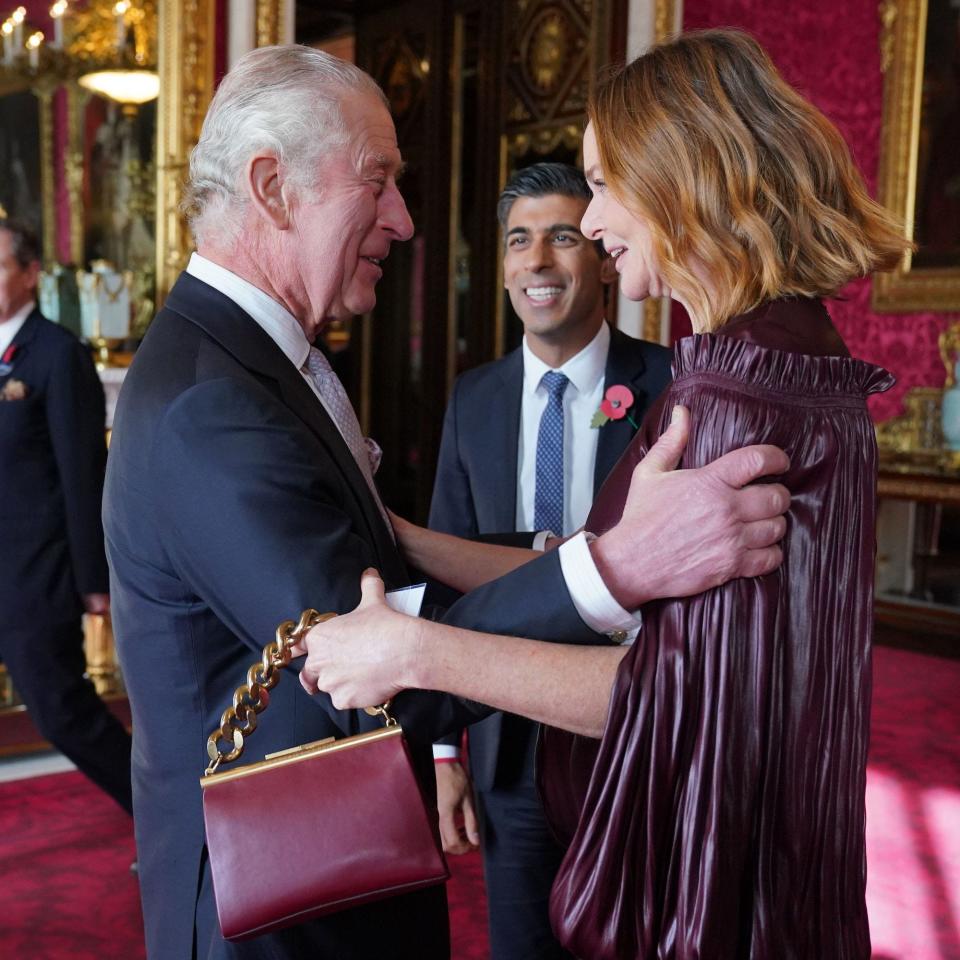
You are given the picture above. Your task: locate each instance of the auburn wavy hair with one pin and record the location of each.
(741, 179)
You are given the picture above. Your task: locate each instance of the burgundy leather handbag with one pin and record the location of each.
(352, 810)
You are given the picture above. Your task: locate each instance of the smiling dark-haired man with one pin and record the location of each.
(519, 454)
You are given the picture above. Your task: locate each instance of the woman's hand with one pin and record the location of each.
(364, 657)
(686, 531)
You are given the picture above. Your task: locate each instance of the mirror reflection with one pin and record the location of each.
(20, 156)
(81, 78)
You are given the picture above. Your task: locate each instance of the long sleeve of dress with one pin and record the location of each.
(724, 814)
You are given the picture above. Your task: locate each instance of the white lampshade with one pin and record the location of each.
(124, 86)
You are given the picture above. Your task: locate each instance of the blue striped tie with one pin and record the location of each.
(548, 499)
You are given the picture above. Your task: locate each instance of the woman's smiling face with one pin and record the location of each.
(626, 237)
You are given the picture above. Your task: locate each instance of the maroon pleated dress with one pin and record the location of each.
(722, 814)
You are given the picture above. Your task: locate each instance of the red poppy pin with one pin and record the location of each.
(616, 402)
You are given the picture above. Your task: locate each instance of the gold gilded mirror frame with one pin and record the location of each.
(186, 65)
(185, 29)
(656, 313)
(902, 47)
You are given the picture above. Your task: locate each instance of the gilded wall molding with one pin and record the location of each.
(269, 17)
(888, 20)
(186, 67)
(902, 47)
(664, 19)
(656, 310)
(77, 99)
(48, 205)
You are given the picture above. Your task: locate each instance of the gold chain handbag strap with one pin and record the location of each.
(240, 718)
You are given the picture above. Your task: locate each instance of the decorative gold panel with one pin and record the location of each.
(269, 18)
(664, 26)
(554, 53)
(45, 95)
(186, 68)
(903, 41)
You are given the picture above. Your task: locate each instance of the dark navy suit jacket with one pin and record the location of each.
(476, 487)
(232, 503)
(52, 455)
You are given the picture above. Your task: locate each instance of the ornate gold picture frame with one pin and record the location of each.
(186, 67)
(914, 95)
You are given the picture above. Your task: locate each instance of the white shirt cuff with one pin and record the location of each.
(445, 751)
(593, 601)
(540, 540)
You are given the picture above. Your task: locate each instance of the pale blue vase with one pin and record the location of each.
(951, 413)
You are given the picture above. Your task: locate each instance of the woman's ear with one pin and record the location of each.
(265, 182)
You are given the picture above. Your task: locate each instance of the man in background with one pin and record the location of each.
(519, 453)
(52, 564)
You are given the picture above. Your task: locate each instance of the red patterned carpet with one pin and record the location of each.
(66, 890)
(913, 808)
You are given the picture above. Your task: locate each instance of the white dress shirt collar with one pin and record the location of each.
(277, 322)
(584, 370)
(10, 328)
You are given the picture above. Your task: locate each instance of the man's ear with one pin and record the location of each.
(608, 269)
(265, 182)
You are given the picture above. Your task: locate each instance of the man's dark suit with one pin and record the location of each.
(232, 503)
(52, 454)
(476, 494)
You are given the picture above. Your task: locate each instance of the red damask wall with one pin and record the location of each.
(830, 52)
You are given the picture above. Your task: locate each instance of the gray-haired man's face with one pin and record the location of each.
(340, 235)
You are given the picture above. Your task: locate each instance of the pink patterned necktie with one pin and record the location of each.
(365, 451)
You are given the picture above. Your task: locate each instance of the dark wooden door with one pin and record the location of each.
(477, 88)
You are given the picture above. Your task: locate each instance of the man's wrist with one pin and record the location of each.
(612, 563)
(415, 656)
(594, 601)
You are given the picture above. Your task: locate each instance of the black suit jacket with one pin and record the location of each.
(52, 455)
(232, 503)
(476, 487)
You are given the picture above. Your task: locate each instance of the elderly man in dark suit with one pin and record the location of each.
(52, 564)
(240, 491)
(511, 459)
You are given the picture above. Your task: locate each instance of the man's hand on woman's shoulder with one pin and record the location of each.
(685, 531)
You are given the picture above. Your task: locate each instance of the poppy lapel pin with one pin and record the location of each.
(6, 361)
(615, 405)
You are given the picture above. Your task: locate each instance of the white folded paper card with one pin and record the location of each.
(407, 600)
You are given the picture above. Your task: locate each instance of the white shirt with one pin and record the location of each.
(585, 371)
(581, 400)
(591, 598)
(278, 323)
(10, 328)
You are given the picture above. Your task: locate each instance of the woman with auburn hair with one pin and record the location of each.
(721, 814)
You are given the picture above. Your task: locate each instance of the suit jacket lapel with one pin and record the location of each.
(501, 427)
(624, 366)
(241, 336)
